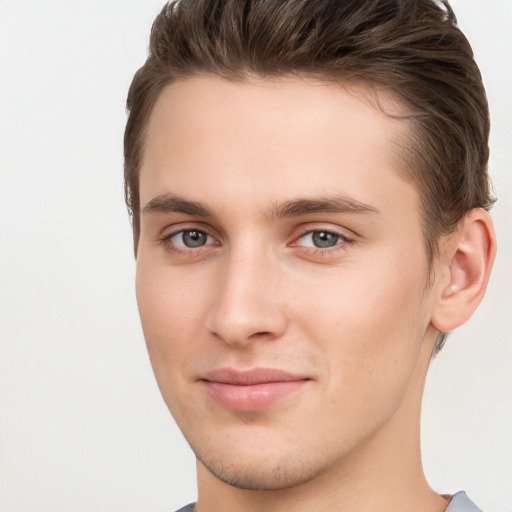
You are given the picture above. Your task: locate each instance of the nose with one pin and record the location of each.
(247, 305)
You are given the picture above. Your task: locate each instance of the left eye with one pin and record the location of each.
(191, 238)
(321, 239)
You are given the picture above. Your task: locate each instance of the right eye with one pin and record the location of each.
(190, 239)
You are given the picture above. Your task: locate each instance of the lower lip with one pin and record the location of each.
(253, 397)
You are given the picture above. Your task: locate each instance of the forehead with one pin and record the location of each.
(262, 140)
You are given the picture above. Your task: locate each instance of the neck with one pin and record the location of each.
(382, 483)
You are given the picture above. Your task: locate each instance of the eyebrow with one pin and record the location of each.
(168, 203)
(331, 204)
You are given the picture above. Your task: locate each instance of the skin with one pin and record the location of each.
(357, 318)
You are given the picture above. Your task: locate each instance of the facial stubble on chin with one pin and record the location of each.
(271, 478)
(290, 471)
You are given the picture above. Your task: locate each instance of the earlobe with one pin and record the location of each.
(466, 260)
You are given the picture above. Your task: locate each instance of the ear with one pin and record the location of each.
(463, 269)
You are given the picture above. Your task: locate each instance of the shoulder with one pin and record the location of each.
(461, 503)
(188, 508)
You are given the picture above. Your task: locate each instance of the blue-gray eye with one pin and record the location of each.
(321, 239)
(190, 238)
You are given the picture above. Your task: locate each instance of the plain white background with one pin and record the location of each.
(82, 424)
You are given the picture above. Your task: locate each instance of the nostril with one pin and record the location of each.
(262, 334)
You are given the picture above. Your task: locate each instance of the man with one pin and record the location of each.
(309, 195)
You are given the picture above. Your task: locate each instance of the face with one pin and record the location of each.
(281, 276)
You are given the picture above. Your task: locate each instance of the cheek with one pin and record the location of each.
(168, 312)
(169, 317)
(370, 324)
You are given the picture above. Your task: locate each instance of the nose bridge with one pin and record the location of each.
(247, 303)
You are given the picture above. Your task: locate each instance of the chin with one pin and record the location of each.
(254, 462)
(260, 475)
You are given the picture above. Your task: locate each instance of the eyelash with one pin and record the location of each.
(342, 243)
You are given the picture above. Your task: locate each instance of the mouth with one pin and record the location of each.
(250, 390)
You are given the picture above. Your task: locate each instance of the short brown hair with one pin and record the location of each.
(412, 48)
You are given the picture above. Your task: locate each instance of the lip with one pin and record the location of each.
(250, 390)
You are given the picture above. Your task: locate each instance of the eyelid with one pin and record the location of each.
(325, 228)
(174, 229)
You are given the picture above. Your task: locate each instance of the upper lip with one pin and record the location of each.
(250, 377)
